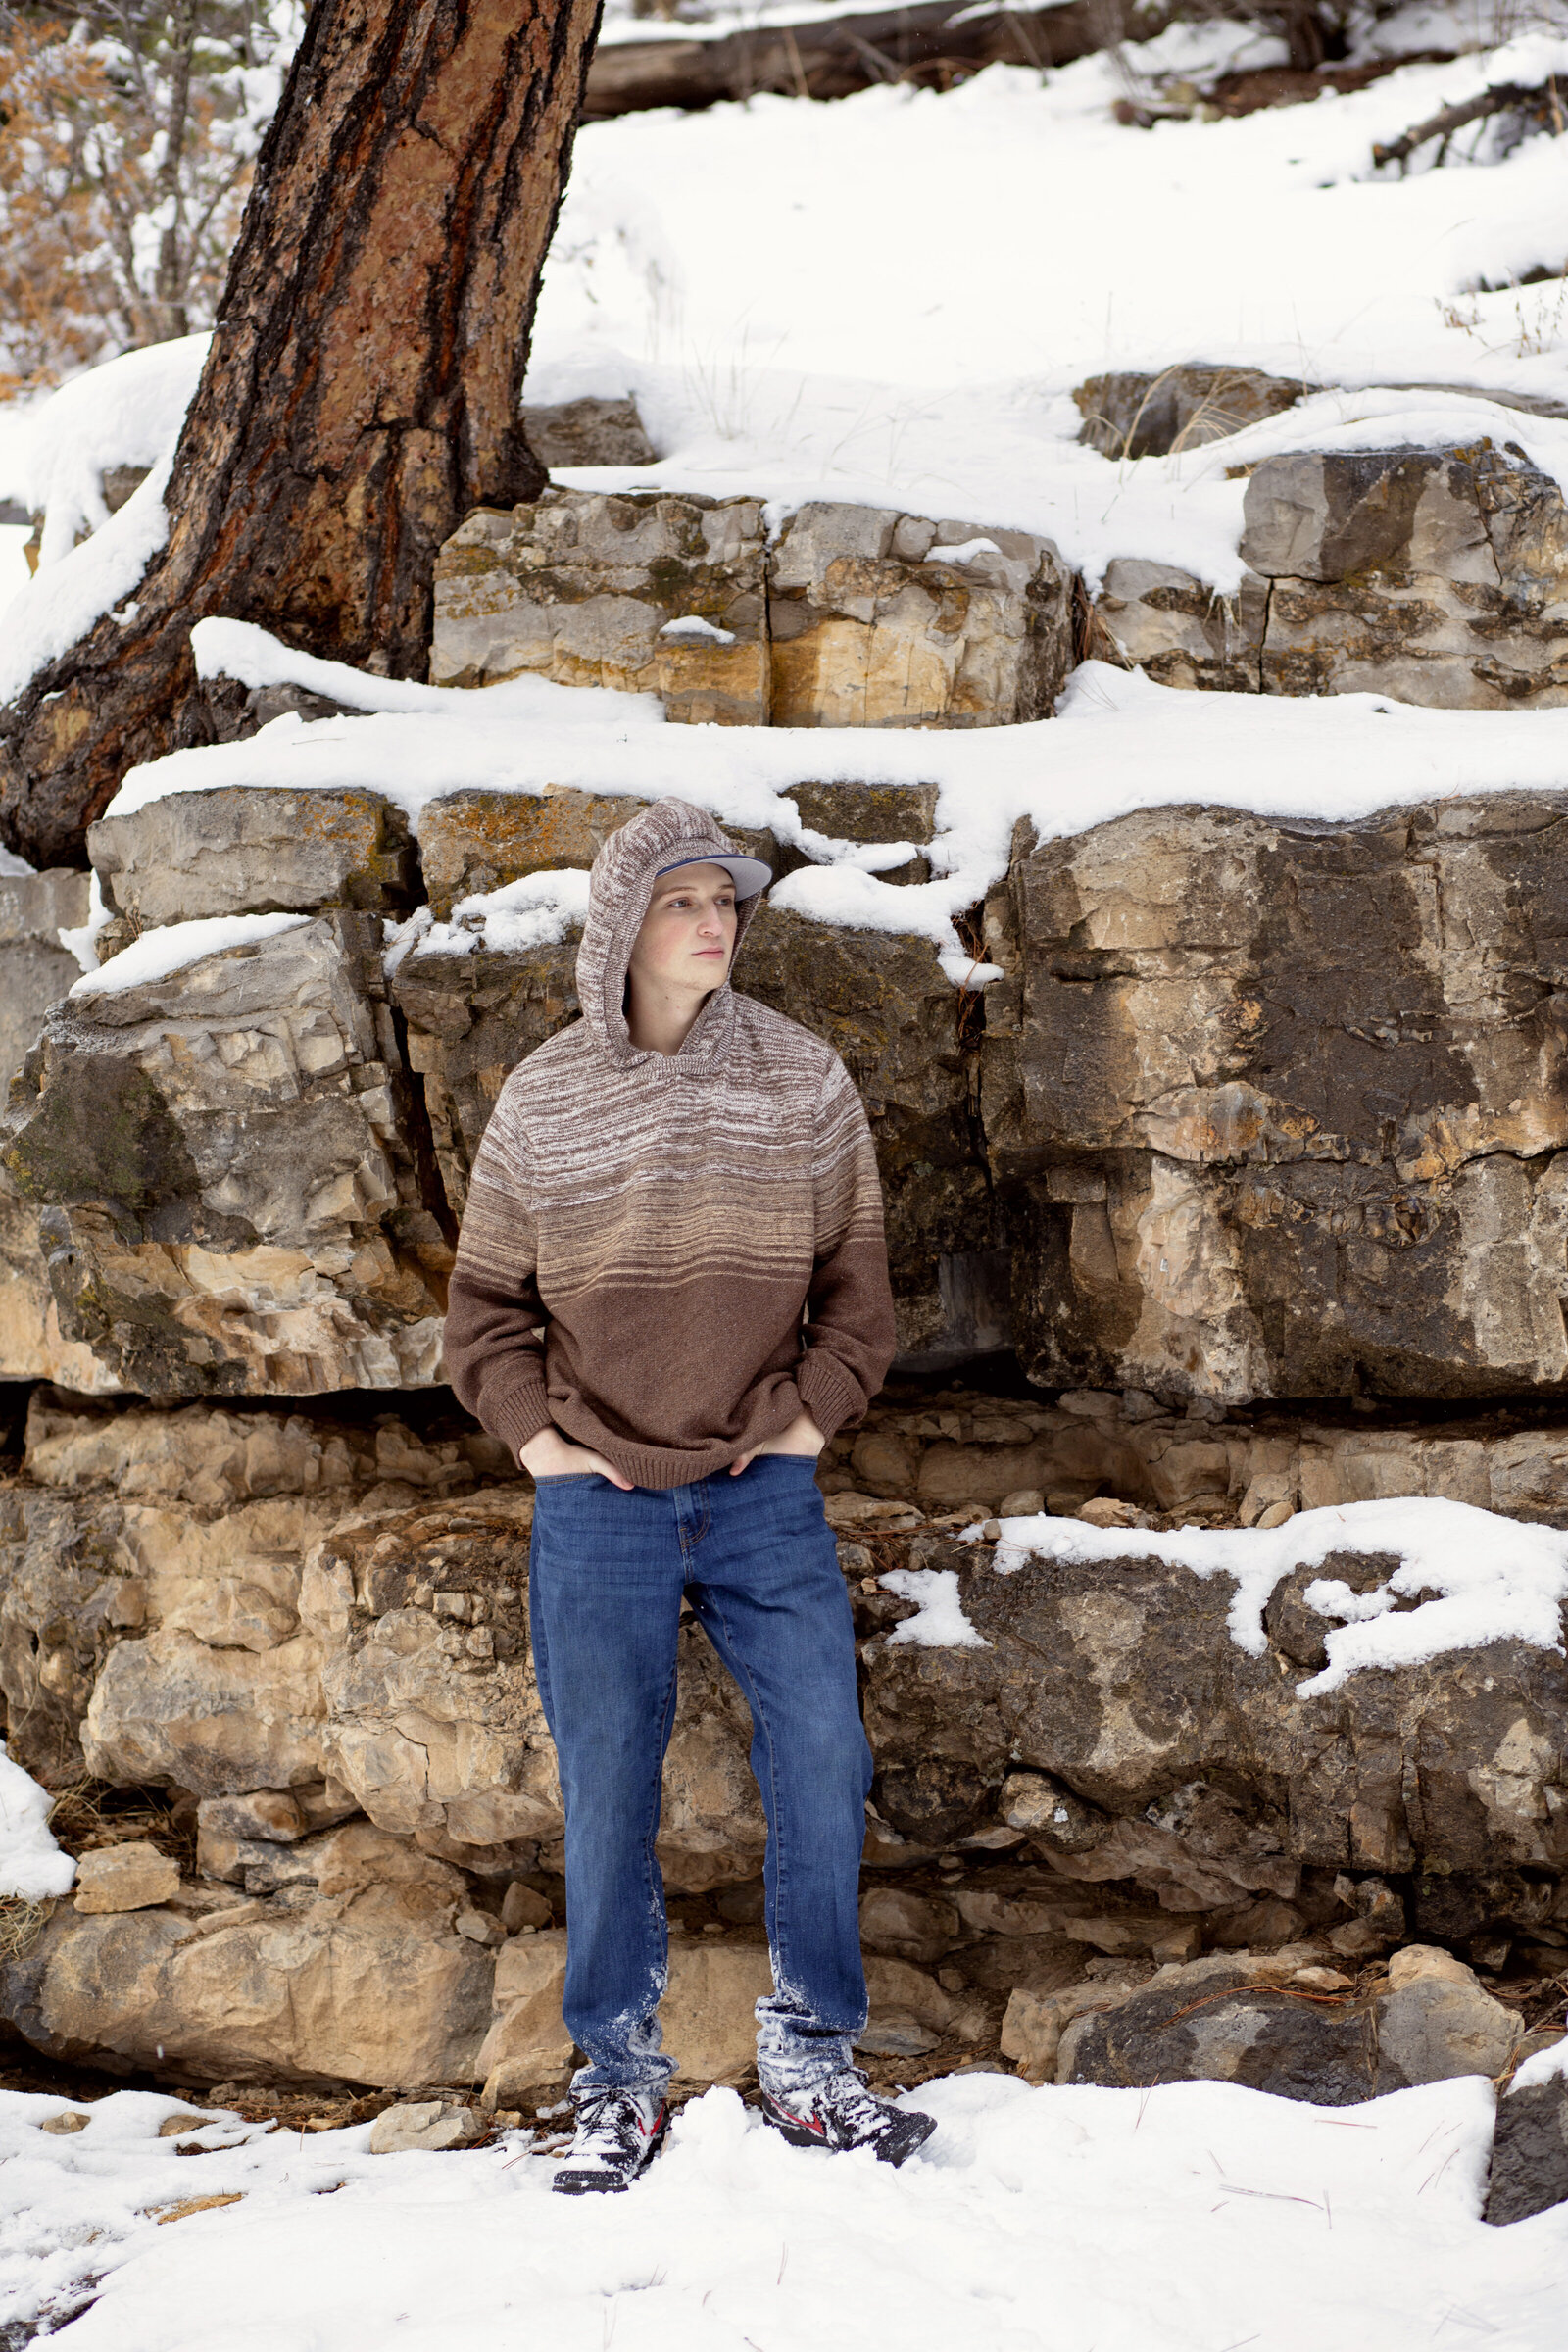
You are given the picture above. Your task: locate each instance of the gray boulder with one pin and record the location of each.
(1437, 576)
(1274, 2030)
(1528, 2152)
(253, 850)
(1312, 1138)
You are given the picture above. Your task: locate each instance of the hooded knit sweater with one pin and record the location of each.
(644, 1231)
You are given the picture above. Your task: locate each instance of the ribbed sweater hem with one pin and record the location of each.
(519, 1415)
(828, 1392)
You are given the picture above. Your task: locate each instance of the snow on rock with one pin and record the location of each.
(927, 364)
(32, 1864)
(1494, 1579)
(534, 912)
(81, 939)
(1550, 2064)
(941, 1623)
(171, 946)
(1191, 2217)
(238, 649)
(1118, 742)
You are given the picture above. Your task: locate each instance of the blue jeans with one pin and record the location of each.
(756, 1557)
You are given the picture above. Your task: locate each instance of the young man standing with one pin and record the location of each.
(671, 1291)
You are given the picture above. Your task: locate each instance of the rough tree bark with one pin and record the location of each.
(363, 387)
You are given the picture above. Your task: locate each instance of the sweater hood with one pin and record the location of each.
(620, 884)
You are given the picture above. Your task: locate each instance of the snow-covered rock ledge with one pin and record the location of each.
(1141, 1715)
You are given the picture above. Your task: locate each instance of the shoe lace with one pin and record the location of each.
(853, 2098)
(607, 2116)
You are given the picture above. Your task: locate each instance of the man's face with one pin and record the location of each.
(688, 934)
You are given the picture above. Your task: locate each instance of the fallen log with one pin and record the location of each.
(933, 44)
(1541, 99)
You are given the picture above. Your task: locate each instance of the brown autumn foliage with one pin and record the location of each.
(124, 162)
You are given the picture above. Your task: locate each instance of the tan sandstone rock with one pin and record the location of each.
(646, 592)
(431, 2124)
(882, 620)
(1437, 576)
(35, 970)
(363, 1980)
(1216, 1209)
(125, 1878)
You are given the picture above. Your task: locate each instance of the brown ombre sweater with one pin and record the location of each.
(644, 1231)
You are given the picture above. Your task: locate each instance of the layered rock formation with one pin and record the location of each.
(1309, 1136)
(1435, 576)
(1247, 1173)
(857, 616)
(316, 1634)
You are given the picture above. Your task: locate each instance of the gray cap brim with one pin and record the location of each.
(749, 874)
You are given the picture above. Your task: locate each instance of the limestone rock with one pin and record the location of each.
(1332, 1135)
(527, 2045)
(1242, 1463)
(909, 1926)
(523, 1907)
(1166, 622)
(272, 1815)
(882, 1001)
(434, 1721)
(1437, 2020)
(215, 1459)
(706, 2016)
(911, 2012)
(249, 851)
(138, 1534)
(1439, 576)
(587, 432)
(1131, 416)
(35, 970)
(1238, 2021)
(1528, 2152)
(32, 1346)
(472, 842)
(125, 1878)
(230, 1186)
(169, 1708)
(647, 593)
(367, 1982)
(881, 619)
(709, 2013)
(431, 2124)
(1121, 1679)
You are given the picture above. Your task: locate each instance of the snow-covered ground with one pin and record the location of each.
(1198, 2218)
(891, 298)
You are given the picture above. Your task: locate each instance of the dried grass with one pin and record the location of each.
(20, 1924)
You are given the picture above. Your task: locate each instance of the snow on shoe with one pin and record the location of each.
(842, 2113)
(619, 2135)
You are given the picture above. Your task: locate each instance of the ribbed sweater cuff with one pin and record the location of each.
(518, 1415)
(828, 1394)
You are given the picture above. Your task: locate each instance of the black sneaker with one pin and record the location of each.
(619, 2135)
(840, 2112)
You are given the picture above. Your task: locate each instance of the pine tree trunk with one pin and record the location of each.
(361, 392)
